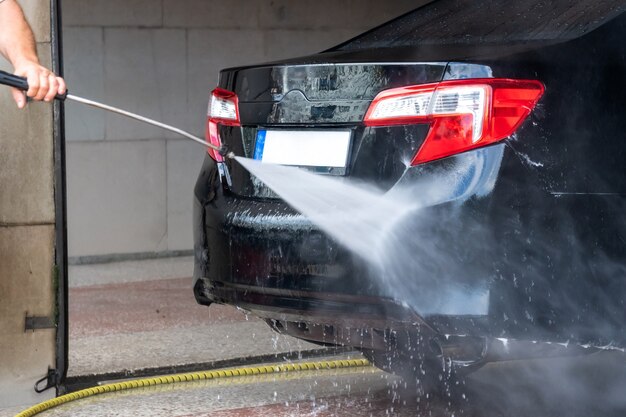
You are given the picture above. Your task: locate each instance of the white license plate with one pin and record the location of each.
(312, 148)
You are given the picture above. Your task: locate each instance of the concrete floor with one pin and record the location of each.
(141, 314)
(133, 315)
(590, 386)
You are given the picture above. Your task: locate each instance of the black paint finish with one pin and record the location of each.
(542, 229)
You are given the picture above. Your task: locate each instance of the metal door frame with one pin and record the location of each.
(61, 280)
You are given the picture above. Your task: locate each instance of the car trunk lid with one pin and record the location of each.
(325, 99)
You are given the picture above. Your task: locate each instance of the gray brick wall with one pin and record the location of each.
(130, 185)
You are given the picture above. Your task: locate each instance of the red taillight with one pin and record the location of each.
(463, 114)
(223, 110)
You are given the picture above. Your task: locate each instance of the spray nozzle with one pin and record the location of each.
(223, 150)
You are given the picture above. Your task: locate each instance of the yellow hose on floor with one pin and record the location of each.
(189, 377)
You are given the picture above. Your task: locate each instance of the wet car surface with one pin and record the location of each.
(516, 247)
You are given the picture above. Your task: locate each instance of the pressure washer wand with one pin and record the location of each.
(22, 84)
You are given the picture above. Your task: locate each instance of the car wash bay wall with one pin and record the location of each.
(130, 185)
(27, 231)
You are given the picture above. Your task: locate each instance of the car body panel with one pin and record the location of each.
(533, 232)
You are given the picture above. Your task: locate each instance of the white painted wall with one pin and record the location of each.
(130, 185)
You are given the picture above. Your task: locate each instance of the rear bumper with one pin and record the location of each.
(266, 258)
(262, 256)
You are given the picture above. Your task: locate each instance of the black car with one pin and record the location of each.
(516, 110)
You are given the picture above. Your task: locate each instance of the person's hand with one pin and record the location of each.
(42, 83)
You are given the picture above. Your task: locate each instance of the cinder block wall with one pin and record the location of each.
(130, 185)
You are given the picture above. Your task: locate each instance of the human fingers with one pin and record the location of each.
(32, 76)
(62, 86)
(53, 87)
(19, 97)
(44, 85)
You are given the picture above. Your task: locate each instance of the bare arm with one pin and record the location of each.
(17, 44)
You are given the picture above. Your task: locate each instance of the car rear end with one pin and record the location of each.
(380, 122)
(258, 253)
(394, 117)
